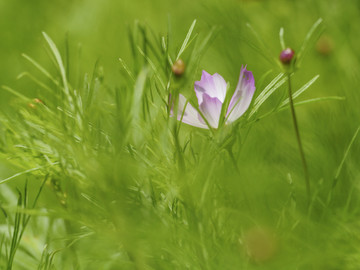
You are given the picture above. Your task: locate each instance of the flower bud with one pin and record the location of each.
(260, 244)
(37, 100)
(178, 68)
(325, 45)
(286, 56)
(34, 103)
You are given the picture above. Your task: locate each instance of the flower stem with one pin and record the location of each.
(231, 154)
(302, 155)
(243, 190)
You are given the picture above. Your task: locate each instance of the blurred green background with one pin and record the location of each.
(100, 29)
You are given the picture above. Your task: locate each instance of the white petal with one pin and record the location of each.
(211, 108)
(212, 85)
(243, 94)
(191, 115)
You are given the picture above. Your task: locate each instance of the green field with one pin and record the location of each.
(97, 172)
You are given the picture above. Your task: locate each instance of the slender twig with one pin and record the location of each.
(302, 155)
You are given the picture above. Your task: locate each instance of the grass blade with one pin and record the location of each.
(186, 41)
(338, 171)
(310, 36)
(60, 63)
(281, 36)
(267, 92)
(301, 90)
(16, 93)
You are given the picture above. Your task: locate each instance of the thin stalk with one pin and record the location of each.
(302, 155)
(233, 160)
(244, 191)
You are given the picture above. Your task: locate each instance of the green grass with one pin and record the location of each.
(96, 174)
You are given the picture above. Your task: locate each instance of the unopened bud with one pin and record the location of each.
(260, 244)
(37, 100)
(178, 68)
(325, 45)
(286, 56)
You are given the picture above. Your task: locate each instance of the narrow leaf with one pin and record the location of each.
(301, 90)
(187, 38)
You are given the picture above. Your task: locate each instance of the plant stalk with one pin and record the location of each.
(233, 160)
(302, 154)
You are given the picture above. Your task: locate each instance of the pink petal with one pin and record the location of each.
(191, 115)
(211, 108)
(243, 94)
(212, 85)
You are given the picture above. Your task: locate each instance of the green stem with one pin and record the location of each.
(302, 155)
(233, 160)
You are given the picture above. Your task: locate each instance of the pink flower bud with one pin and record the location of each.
(286, 56)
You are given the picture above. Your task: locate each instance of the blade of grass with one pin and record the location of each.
(347, 151)
(310, 36)
(267, 92)
(40, 68)
(126, 68)
(152, 65)
(60, 64)
(186, 41)
(308, 101)
(26, 172)
(16, 93)
(281, 37)
(301, 90)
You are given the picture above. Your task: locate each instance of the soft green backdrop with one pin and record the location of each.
(100, 29)
(270, 153)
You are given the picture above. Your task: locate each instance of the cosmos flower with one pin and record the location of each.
(211, 92)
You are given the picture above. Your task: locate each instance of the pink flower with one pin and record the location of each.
(211, 92)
